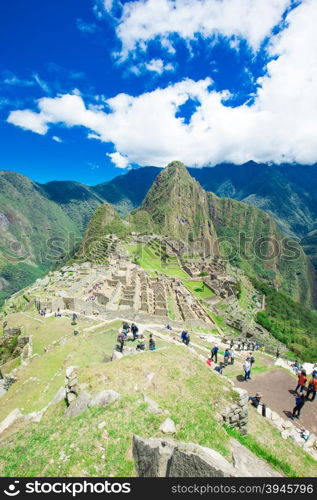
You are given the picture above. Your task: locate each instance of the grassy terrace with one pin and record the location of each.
(149, 257)
(199, 289)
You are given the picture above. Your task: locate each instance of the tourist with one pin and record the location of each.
(231, 344)
(141, 343)
(214, 353)
(314, 372)
(299, 401)
(151, 343)
(125, 327)
(252, 361)
(187, 338)
(242, 345)
(220, 368)
(233, 355)
(121, 339)
(302, 379)
(135, 331)
(312, 388)
(295, 366)
(247, 369)
(278, 353)
(239, 346)
(226, 357)
(256, 400)
(168, 327)
(183, 336)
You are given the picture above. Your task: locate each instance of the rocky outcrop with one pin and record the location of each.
(236, 415)
(156, 457)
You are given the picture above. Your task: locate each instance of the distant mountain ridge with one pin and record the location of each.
(33, 214)
(177, 207)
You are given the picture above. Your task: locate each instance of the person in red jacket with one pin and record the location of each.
(302, 379)
(312, 389)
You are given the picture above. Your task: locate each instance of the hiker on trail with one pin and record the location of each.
(152, 346)
(256, 400)
(121, 339)
(135, 331)
(278, 353)
(168, 327)
(233, 355)
(302, 379)
(187, 338)
(231, 344)
(299, 401)
(312, 389)
(247, 369)
(141, 343)
(219, 368)
(214, 353)
(183, 336)
(242, 345)
(226, 357)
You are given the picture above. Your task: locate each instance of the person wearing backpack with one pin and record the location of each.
(302, 379)
(226, 357)
(299, 401)
(214, 353)
(312, 389)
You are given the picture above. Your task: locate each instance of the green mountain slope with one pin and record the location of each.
(177, 207)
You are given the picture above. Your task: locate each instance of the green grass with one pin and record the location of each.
(146, 257)
(182, 385)
(199, 289)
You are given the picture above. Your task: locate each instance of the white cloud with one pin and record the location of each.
(11, 79)
(118, 160)
(145, 20)
(87, 28)
(281, 124)
(56, 138)
(158, 66)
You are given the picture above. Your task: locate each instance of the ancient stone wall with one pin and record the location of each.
(236, 415)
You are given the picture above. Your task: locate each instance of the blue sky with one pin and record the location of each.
(89, 88)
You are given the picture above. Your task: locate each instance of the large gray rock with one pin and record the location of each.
(104, 398)
(10, 420)
(190, 460)
(166, 458)
(152, 456)
(157, 457)
(78, 405)
(248, 464)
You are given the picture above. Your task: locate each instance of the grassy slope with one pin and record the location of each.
(184, 386)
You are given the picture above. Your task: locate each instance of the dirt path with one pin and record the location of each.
(277, 387)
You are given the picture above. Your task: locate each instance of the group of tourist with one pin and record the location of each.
(131, 333)
(311, 389)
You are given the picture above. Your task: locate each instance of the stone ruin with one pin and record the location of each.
(121, 286)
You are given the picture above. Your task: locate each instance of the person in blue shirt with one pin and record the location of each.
(214, 353)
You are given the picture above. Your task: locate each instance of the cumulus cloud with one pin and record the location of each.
(279, 126)
(119, 160)
(145, 20)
